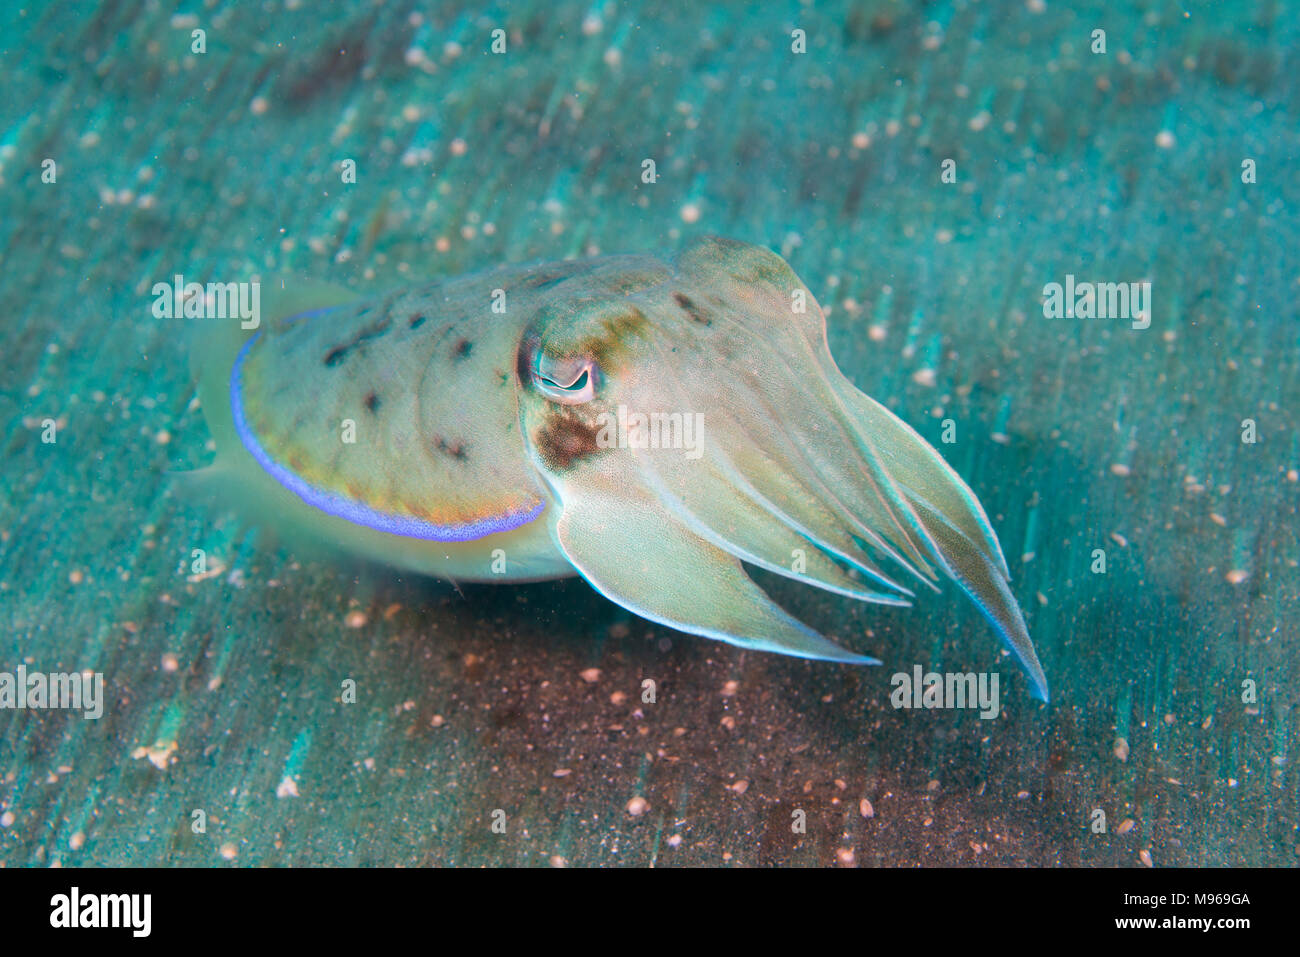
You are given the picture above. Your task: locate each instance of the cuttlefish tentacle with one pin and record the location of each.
(800, 489)
(919, 469)
(816, 468)
(759, 537)
(684, 582)
(822, 450)
(951, 522)
(898, 450)
(880, 506)
(795, 508)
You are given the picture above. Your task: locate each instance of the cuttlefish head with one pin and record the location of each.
(688, 417)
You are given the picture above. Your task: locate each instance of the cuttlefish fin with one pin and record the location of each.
(633, 554)
(216, 343)
(234, 479)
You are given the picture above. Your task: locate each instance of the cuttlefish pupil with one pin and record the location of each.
(571, 388)
(393, 427)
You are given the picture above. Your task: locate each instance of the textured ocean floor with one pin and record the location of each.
(224, 689)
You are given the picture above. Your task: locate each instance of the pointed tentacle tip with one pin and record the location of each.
(1039, 688)
(1027, 658)
(863, 660)
(846, 657)
(1032, 669)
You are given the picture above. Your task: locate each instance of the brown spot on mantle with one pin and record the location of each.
(455, 448)
(689, 307)
(373, 331)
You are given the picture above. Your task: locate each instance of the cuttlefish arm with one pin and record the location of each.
(953, 524)
(793, 469)
(622, 543)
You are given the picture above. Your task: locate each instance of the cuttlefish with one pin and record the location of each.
(646, 423)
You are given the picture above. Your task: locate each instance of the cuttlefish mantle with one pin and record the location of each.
(649, 424)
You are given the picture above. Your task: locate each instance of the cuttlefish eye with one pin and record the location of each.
(569, 382)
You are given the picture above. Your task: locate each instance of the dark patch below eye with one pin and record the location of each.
(416, 321)
(372, 401)
(564, 440)
(692, 311)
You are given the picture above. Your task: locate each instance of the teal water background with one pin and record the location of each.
(224, 692)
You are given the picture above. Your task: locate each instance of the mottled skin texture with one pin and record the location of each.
(478, 437)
